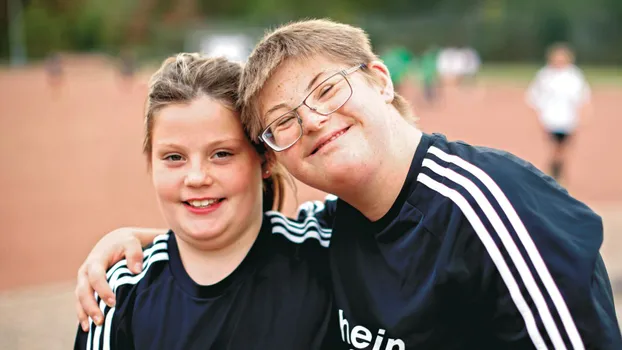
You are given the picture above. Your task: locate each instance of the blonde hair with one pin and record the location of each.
(343, 43)
(186, 76)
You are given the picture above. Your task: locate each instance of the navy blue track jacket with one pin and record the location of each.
(480, 251)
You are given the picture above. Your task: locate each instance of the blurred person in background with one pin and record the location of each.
(54, 71)
(127, 68)
(472, 63)
(401, 63)
(448, 66)
(559, 94)
(438, 244)
(230, 273)
(399, 60)
(427, 66)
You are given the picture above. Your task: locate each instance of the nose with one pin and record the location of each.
(198, 176)
(311, 120)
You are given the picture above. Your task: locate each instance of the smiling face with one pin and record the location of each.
(343, 148)
(206, 174)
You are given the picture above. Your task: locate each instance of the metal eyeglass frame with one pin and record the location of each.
(344, 73)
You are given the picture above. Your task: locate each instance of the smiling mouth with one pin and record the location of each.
(333, 138)
(205, 203)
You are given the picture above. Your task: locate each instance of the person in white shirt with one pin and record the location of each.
(557, 94)
(450, 66)
(471, 64)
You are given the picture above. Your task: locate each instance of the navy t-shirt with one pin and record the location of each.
(278, 298)
(479, 251)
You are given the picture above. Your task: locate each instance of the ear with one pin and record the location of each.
(383, 77)
(267, 163)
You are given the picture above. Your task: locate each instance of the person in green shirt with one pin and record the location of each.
(429, 74)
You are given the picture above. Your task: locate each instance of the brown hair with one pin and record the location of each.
(344, 43)
(186, 76)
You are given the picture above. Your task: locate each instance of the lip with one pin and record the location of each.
(206, 210)
(322, 140)
(201, 199)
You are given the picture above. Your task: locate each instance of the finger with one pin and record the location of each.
(134, 256)
(97, 281)
(82, 317)
(86, 299)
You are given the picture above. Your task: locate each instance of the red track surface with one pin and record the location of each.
(72, 167)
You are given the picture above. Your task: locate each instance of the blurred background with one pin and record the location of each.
(73, 79)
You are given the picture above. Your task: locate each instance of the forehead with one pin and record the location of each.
(291, 78)
(202, 119)
(561, 52)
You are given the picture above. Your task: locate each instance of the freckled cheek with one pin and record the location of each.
(291, 158)
(364, 108)
(167, 184)
(238, 180)
(352, 110)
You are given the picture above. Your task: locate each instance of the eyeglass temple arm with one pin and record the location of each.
(355, 68)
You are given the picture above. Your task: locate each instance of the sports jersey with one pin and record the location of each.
(279, 297)
(479, 251)
(557, 94)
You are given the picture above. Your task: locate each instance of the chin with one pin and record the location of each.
(201, 232)
(346, 173)
(349, 162)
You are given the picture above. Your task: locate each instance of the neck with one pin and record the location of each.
(207, 266)
(375, 195)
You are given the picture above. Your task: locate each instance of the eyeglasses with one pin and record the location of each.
(327, 97)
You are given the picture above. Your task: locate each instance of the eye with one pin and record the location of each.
(325, 89)
(222, 154)
(173, 158)
(285, 121)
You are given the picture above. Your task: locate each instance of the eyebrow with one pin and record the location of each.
(211, 144)
(314, 80)
(271, 110)
(285, 105)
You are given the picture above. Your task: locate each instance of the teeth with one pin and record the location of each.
(203, 203)
(334, 137)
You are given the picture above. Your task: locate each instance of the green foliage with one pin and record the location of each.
(499, 29)
(44, 30)
(88, 30)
